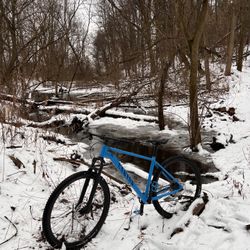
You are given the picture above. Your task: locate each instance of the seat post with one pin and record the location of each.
(155, 148)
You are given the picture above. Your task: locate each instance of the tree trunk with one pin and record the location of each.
(145, 8)
(241, 49)
(1, 47)
(230, 46)
(161, 93)
(195, 135)
(206, 62)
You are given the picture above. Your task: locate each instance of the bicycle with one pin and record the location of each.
(78, 207)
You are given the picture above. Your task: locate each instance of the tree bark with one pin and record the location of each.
(195, 135)
(230, 46)
(240, 53)
(161, 93)
(206, 62)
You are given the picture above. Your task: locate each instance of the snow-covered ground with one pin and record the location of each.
(224, 224)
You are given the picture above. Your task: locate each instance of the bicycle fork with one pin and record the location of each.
(92, 169)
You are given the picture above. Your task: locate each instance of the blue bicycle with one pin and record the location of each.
(78, 207)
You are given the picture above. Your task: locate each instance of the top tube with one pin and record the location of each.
(104, 153)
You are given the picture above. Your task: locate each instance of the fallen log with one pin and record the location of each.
(61, 110)
(52, 124)
(97, 100)
(55, 102)
(74, 162)
(11, 98)
(49, 102)
(13, 147)
(132, 117)
(115, 103)
(53, 139)
(197, 210)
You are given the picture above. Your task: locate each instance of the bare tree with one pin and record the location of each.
(244, 29)
(193, 39)
(230, 44)
(39, 40)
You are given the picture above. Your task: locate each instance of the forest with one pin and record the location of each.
(177, 71)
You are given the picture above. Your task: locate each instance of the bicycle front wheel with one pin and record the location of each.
(187, 174)
(66, 218)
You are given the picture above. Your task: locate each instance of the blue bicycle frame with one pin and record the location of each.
(107, 152)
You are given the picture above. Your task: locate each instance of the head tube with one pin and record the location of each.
(104, 151)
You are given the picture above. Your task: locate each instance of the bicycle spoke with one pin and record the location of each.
(69, 221)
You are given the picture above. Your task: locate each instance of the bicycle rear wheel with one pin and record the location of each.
(187, 174)
(67, 221)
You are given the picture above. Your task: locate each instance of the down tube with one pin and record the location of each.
(124, 173)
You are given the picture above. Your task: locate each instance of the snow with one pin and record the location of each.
(125, 122)
(222, 225)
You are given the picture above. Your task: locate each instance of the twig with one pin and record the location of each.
(219, 227)
(14, 235)
(138, 245)
(13, 147)
(163, 226)
(32, 215)
(19, 172)
(74, 162)
(126, 228)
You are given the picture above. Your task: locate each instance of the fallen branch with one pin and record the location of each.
(224, 37)
(53, 139)
(19, 172)
(95, 100)
(55, 102)
(131, 117)
(138, 246)
(62, 109)
(11, 98)
(220, 227)
(52, 124)
(74, 162)
(197, 210)
(13, 147)
(32, 216)
(101, 111)
(176, 231)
